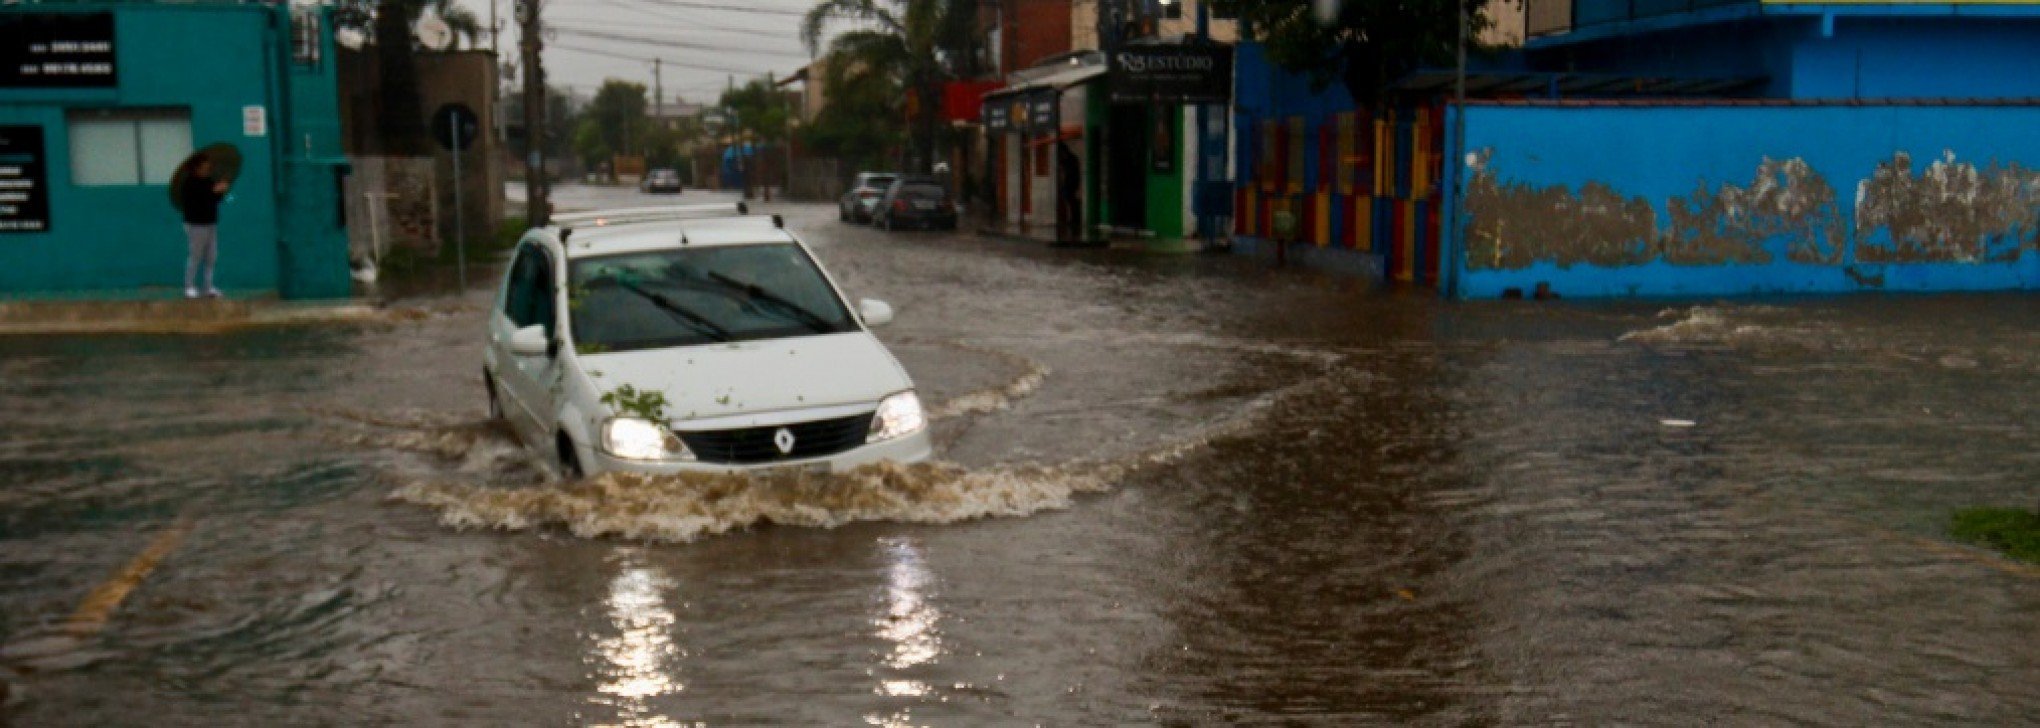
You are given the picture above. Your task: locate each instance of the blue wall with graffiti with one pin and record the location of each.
(1704, 200)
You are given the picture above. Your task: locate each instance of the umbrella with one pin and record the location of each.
(226, 162)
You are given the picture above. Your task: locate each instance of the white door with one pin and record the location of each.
(528, 384)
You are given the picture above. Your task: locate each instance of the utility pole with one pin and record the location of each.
(658, 90)
(537, 192)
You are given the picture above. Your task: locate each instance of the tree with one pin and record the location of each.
(1368, 44)
(858, 125)
(761, 110)
(614, 123)
(917, 44)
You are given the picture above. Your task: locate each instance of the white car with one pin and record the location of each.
(665, 340)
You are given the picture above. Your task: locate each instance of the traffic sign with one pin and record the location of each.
(456, 126)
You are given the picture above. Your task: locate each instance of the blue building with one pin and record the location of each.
(99, 102)
(1706, 147)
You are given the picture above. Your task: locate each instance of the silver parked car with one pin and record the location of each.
(857, 204)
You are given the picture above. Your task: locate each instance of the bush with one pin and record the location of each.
(2013, 531)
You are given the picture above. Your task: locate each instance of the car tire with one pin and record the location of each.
(570, 461)
(842, 216)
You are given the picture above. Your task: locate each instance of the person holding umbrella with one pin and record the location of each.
(198, 191)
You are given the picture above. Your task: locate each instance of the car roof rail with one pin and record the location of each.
(623, 216)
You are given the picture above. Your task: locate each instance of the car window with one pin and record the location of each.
(517, 291)
(529, 300)
(922, 191)
(701, 295)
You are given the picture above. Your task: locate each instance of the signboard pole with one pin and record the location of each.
(459, 220)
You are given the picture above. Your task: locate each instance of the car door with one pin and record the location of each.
(512, 309)
(538, 377)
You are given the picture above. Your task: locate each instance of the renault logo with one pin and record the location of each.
(784, 439)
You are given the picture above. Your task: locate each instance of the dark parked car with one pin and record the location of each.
(661, 180)
(856, 205)
(916, 202)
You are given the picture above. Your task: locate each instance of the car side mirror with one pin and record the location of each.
(874, 312)
(530, 341)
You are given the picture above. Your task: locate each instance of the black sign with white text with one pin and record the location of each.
(24, 182)
(57, 50)
(1171, 74)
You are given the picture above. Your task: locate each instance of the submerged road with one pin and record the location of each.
(1173, 490)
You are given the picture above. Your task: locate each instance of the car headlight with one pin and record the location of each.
(631, 438)
(898, 416)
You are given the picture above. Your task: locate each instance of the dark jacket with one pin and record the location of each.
(201, 203)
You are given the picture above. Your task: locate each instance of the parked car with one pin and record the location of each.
(857, 204)
(660, 181)
(916, 202)
(667, 340)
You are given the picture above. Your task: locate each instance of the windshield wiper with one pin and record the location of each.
(679, 312)
(806, 317)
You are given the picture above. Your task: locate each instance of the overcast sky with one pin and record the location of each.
(703, 42)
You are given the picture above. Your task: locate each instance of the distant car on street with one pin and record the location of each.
(660, 181)
(857, 204)
(692, 339)
(916, 202)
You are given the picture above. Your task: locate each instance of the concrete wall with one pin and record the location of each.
(106, 241)
(1727, 200)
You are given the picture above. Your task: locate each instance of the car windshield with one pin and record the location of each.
(877, 183)
(701, 295)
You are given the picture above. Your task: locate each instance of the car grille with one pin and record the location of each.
(756, 444)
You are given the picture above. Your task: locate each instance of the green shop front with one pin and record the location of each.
(99, 104)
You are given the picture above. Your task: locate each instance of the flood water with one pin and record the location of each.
(1170, 490)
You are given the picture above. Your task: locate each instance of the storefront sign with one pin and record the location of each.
(57, 50)
(997, 114)
(24, 185)
(1171, 74)
(1044, 114)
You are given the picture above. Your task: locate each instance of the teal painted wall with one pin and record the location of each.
(212, 60)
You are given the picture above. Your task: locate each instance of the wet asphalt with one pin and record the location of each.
(1174, 490)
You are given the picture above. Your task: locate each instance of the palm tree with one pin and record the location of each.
(467, 27)
(915, 43)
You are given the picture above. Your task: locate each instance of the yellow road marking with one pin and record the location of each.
(98, 606)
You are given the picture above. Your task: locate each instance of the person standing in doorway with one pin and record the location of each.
(1069, 211)
(200, 197)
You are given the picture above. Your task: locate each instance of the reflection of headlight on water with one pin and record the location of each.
(635, 439)
(898, 416)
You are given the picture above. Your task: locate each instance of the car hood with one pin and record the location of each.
(755, 377)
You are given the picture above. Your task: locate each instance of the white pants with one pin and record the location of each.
(205, 248)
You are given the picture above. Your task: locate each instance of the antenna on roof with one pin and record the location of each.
(778, 222)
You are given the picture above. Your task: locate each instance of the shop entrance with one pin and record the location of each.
(1126, 166)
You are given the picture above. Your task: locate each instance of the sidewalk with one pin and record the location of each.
(172, 315)
(1045, 235)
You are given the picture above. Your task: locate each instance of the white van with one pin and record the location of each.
(693, 338)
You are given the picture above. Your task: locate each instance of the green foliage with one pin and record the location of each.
(913, 45)
(629, 400)
(761, 110)
(1367, 46)
(860, 126)
(2013, 531)
(614, 123)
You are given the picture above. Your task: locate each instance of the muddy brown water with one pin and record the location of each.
(1177, 491)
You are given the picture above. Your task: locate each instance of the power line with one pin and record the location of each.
(664, 42)
(649, 59)
(693, 22)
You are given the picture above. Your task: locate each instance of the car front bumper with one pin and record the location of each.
(910, 449)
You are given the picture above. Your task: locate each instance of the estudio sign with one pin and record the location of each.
(1175, 74)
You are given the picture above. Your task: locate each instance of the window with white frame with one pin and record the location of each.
(127, 147)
